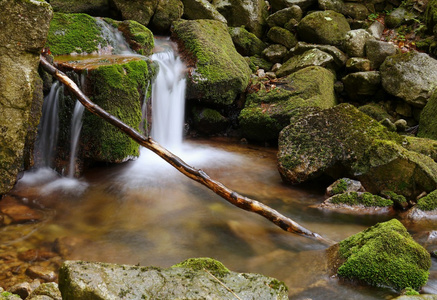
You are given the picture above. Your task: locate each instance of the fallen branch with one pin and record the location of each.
(195, 174)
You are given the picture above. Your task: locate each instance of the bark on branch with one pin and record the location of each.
(196, 174)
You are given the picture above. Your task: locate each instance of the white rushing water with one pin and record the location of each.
(168, 100)
(76, 127)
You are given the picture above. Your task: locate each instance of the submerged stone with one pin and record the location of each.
(384, 255)
(219, 72)
(201, 278)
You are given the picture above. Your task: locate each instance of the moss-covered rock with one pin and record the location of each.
(385, 255)
(25, 25)
(139, 37)
(429, 202)
(138, 10)
(365, 199)
(424, 146)
(83, 34)
(219, 73)
(339, 57)
(282, 36)
(275, 53)
(376, 111)
(209, 121)
(282, 17)
(323, 27)
(344, 185)
(201, 9)
(313, 57)
(248, 13)
(342, 141)
(411, 76)
(362, 85)
(428, 120)
(246, 43)
(266, 112)
(116, 88)
(167, 12)
(199, 278)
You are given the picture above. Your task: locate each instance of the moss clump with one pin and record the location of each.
(204, 263)
(366, 199)
(429, 202)
(398, 200)
(221, 73)
(340, 186)
(74, 33)
(116, 88)
(428, 121)
(375, 111)
(245, 42)
(385, 255)
(139, 37)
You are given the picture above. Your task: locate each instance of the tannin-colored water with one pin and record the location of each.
(144, 212)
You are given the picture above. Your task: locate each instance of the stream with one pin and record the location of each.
(145, 212)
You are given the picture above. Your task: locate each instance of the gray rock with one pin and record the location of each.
(313, 57)
(275, 53)
(358, 64)
(201, 9)
(339, 57)
(280, 18)
(355, 42)
(282, 36)
(25, 25)
(49, 290)
(323, 27)
(410, 76)
(87, 280)
(344, 185)
(398, 17)
(378, 51)
(362, 85)
(248, 13)
(376, 29)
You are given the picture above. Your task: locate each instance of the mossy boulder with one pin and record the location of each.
(75, 34)
(209, 121)
(358, 203)
(384, 255)
(119, 89)
(199, 278)
(323, 27)
(342, 141)
(138, 10)
(428, 120)
(25, 25)
(362, 85)
(424, 146)
(248, 13)
(201, 9)
(344, 185)
(266, 112)
(219, 73)
(138, 36)
(90, 7)
(313, 57)
(275, 53)
(282, 36)
(282, 17)
(376, 110)
(411, 76)
(166, 13)
(246, 43)
(339, 57)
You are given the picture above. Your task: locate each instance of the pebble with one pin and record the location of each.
(41, 273)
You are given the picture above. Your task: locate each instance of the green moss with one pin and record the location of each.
(428, 121)
(340, 186)
(423, 146)
(74, 33)
(411, 292)
(139, 37)
(204, 263)
(258, 125)
(375, 111)
(117, 90)
(366, 199)
(429, 202)
(396, 198)
(385, 255)
(221, 73)
(246, 42)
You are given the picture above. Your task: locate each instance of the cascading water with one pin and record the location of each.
(48, 129)
(168, 100)
(76, 126)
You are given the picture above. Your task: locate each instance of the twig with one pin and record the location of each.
(224, 285)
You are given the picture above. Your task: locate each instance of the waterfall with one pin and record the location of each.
(76, 127)
(168, 100)
(48, 129)
(114, 38)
